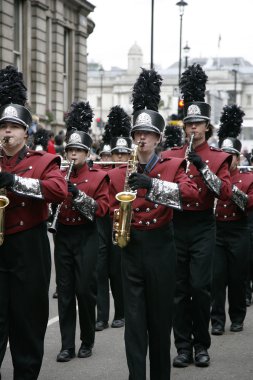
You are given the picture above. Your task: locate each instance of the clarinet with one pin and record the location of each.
(53, 226)
(188, 150)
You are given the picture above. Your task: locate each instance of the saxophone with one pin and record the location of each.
(123, 215)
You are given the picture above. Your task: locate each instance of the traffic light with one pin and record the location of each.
(180, 109)
(99, 122)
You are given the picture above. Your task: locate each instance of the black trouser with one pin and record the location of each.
(108, 273)
(249, 285)
(148, 273)
(230, 271)
(195, 239)
(76, 249)
(25, 266)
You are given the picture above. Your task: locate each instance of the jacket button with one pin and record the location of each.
(200, 189)
(137, 209)
(21, 223)
(140, 222)
(225, 205)
(66, 206)
(197, 204)
(67, 219)
(156, 205)
(147, 223)
(233, 214)
(23, 204)
(191, 176)
(225, 216)
(147, 209)
(73, 220)
(188, 205)
(154, 220)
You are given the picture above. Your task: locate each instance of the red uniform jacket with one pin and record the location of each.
(146, 214)
(218, 162)
(227, 211)
(25, 212)
(94, 183)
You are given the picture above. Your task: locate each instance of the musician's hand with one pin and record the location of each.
(72, 189)
(139, 181)
(196, 160)
(6, 179)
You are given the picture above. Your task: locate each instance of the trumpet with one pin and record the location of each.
(53, 226)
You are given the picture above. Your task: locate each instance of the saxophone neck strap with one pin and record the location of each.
(151, 164)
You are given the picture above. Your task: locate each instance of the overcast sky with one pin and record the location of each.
(121, 23)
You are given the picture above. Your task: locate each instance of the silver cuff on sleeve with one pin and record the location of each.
(165, 193)
(211, 180)
(239, 198)
(29, 187)
(86, 205)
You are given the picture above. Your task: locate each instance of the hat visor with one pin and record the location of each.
(121, 150)
(145, 128)
(14, 120)
(195, 119)
(77, 146)
(231, 150)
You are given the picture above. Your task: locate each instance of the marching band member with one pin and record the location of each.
(149, 258)
(232, 249)
(76, 237)
(208, 167)
(109, 259)
(31, 179)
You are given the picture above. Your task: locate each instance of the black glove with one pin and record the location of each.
(72, 189)
(196, 160)
(6, 179)
(139, 181)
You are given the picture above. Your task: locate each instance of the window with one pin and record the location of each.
(248, 100)
(17, 34)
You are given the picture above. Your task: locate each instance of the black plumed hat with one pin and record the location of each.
(146, 98)
(13, 95)
(230, 127)
(78, 121)
(105, 146)
(119, 123)
(173, 136)
(193, 86)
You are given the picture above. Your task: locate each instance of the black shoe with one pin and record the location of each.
(84, 351)
(217, 330)
(183, 359)
(236, 327)
(248, 301)
(55, 294)
(66, 355)
(116, 323)
(202, 359)
(101, 325)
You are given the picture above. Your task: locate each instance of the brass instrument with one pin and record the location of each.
(53, 226)
(123, 215)
(4, 201)
(188, 150)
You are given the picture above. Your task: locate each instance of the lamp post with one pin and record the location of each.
(101, 73)
(181, 4)
(152, 35)
(186, 54)
(235, 71)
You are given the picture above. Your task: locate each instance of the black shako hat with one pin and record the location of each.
(146, 98)
(193, 86)
(119, 123)
(13, 95)
(230, 127)
(105, 145)
(78, 121)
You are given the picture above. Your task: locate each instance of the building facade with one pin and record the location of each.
(230, 80)
(47, 41)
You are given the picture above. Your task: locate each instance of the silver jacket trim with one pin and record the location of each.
(239, 198)
(165, 193)
(86, 205)
(29, 187)
(211, 180)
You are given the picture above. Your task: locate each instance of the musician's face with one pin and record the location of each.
(78, 155)
(12, 137)
(199, 129)
(120, 157)
(147, 141)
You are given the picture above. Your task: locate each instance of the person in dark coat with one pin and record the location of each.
(76, 237)
(149, 257)
(208, 167)
(232, 248)
(30, 180)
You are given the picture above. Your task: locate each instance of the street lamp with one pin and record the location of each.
(186, 54)
(101, 73)
(235, 71)
(181, 4)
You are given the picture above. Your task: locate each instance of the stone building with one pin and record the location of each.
(47, 41)
(230, 80)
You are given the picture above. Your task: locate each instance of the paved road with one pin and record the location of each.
(231, 355)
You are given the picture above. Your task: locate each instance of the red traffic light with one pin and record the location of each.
(181, 103)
